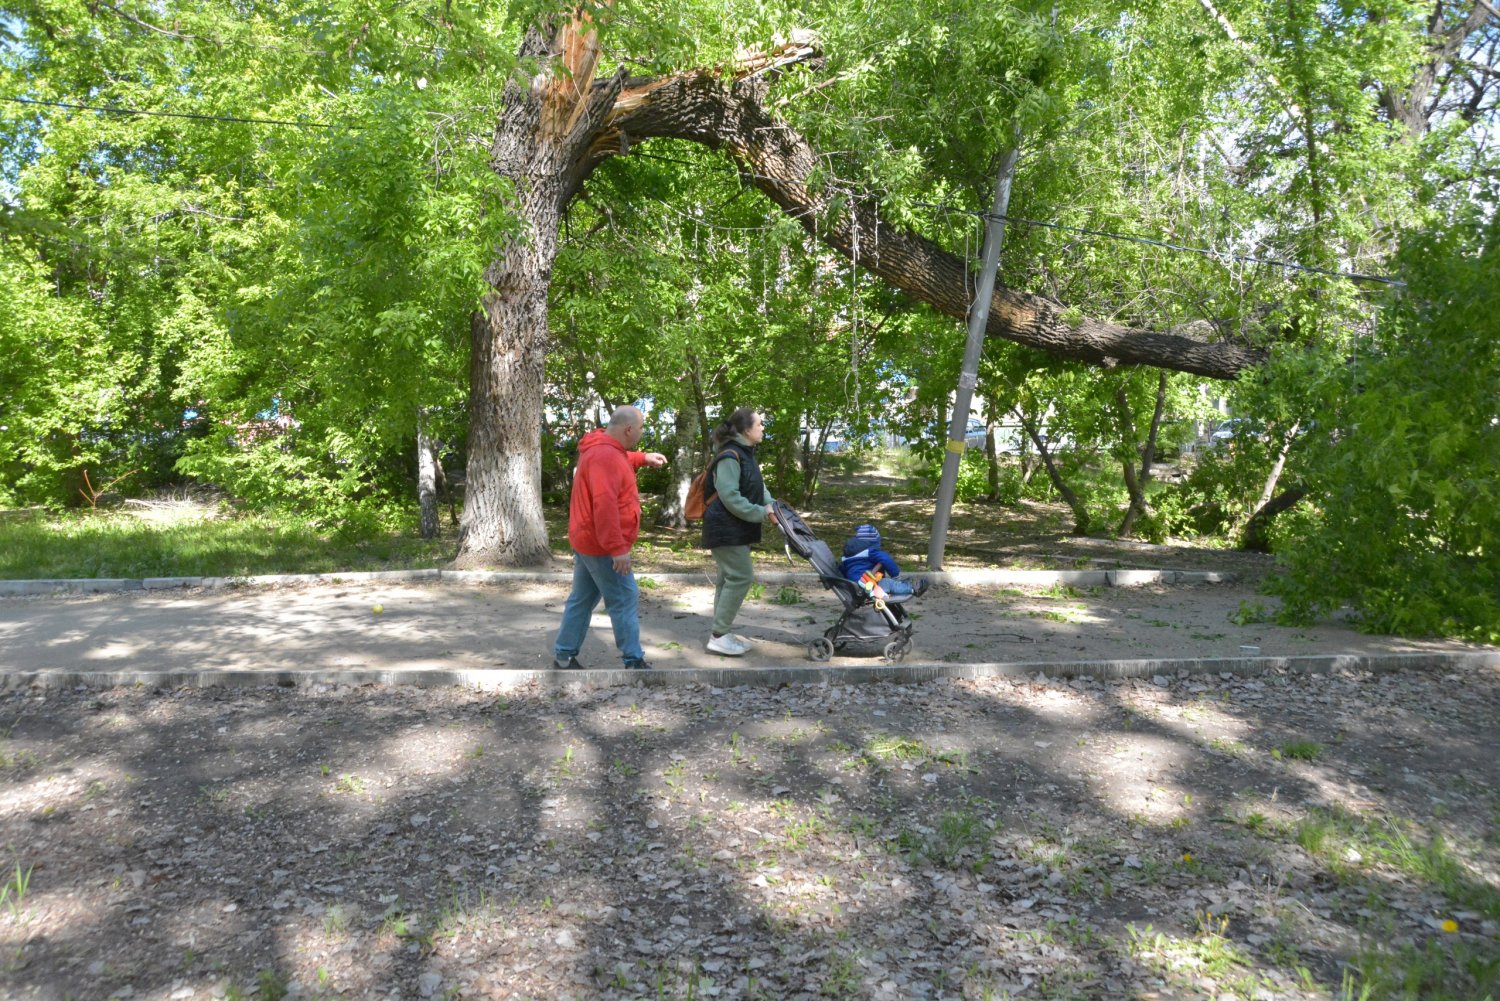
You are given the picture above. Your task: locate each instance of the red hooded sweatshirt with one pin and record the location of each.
(604, 512)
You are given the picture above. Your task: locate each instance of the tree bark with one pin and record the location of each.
(1135, 483)
(1253, 535)
(991, 457)
(542, 129)
(1413, 106)
(427, 480)
(813, 458)
(1254, 538)
(686, 437)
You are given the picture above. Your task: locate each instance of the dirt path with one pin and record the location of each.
(458, 626)
(1208, 838)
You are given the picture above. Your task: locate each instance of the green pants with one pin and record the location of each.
(736, 574)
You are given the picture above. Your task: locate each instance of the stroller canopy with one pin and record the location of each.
(801, 540)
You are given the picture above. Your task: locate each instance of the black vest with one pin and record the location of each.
(720, 528)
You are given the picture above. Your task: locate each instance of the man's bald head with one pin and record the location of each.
(626, 416)
(625, 426)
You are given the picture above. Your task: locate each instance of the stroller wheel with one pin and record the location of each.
(896, 650)
(820, 648)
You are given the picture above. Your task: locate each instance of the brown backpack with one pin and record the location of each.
(696, 503)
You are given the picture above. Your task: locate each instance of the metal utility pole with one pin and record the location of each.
(979, 318)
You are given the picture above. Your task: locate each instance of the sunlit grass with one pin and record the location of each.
(72, 545)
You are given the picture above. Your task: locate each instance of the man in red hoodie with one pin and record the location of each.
(604, 518)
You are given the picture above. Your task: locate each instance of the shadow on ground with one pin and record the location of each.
(1225, 837)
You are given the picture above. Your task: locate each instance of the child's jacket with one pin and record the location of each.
(863, 553)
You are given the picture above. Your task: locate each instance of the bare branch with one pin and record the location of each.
(147, 25)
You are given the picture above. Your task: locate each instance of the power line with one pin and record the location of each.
(1206, 252)
(181, 114)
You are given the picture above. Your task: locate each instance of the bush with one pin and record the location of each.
(973, 483)
(1405, 526)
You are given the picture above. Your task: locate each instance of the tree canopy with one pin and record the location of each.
(258, 245)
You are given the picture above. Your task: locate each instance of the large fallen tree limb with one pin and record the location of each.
(712, 108)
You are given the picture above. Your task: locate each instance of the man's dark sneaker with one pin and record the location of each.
(920, 587)
(637, 665)
(571, 665)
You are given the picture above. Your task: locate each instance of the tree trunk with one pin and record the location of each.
(427, 479)
(1411, 103)
(1025, 458)
(812, 471)
(1127, 456)
(992, 456)
(543, 128)
(1082, 523)
(683, 467)
(1135, 484)
(502, 522)
(1253, 535)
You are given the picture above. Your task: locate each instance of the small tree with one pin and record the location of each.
(1404, 523)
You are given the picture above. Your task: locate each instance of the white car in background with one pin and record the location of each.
(1235, 427)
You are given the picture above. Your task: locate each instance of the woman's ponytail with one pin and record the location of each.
(737, 423)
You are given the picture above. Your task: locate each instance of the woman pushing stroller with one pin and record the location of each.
(737, 503)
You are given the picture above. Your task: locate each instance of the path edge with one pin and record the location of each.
(1160, 670)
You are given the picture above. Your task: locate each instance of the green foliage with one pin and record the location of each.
(1406, 527)
(973, 475)
(1217, 494)
(175, 281)
(1249, 613)
(275, 308)
(55, 383)
(88, 544)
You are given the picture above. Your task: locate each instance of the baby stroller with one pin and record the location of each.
(869, 625)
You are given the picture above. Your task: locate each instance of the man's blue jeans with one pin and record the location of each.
(594, 577)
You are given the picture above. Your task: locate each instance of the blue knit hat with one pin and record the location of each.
(869, 535)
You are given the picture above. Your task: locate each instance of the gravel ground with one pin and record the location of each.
(1203, 837)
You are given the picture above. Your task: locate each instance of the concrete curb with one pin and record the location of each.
(1035, 578)
(769, 676)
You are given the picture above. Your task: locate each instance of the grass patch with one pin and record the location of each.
(1298, 750)
(1344, 839)
(75, 544)
(787, 595)
(1209, 951)
(1442, 969)
(1060, 590)
(889, 748)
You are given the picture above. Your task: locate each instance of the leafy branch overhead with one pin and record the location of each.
(729, 111)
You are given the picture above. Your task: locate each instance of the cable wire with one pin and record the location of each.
(181, 114)
(1204, 251)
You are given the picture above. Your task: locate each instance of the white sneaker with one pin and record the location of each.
(727, 645)
(744, 641)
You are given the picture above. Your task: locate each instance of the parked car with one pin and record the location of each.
(1235, 427)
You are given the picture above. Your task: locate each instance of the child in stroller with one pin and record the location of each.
(872, 568)
(870, 624)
